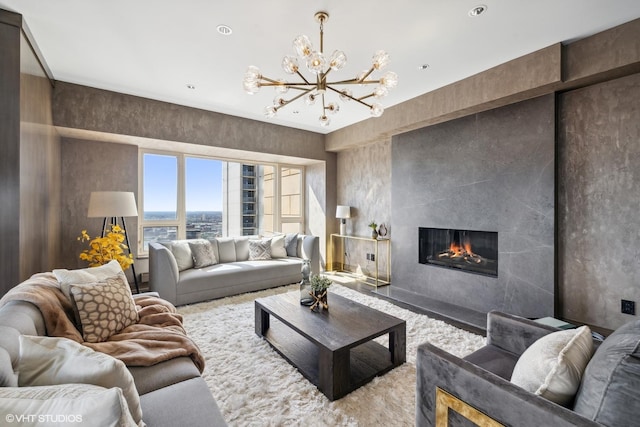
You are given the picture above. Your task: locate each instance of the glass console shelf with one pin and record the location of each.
(375, 280)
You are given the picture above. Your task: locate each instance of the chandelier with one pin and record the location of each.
(317, 87)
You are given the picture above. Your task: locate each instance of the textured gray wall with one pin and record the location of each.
(491, 171)
(93, 166)
(598, 182)
(364, 183)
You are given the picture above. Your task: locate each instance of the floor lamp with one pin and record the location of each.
(112, 205)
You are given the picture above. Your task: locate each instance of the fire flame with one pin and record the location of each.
(460, 250)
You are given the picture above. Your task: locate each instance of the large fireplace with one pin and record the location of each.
(467, 250)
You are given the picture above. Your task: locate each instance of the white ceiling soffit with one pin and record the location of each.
(158, 48)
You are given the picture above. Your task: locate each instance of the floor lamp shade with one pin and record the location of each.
(343, 212)
(112, 204)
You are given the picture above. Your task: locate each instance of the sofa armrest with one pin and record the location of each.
(514, 333)
(163, 272)
(311, 250)
(146, 294)
(488, 393)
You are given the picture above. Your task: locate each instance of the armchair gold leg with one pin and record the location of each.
(446, 401)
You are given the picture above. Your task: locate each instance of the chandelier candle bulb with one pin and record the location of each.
(318, 64)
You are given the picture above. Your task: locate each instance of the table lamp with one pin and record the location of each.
(342, 213)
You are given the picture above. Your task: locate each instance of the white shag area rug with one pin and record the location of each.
(255, 386)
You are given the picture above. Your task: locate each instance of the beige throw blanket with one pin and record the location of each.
(158, 335)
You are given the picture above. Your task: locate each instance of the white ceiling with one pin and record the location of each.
(155, 48)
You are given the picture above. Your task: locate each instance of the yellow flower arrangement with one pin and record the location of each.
(104, 249)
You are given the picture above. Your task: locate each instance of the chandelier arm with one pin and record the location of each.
(367, 74)
(305, 91)
(354, 82)
(302, 77)
(365, 97)
(349, 96)
(290, 85)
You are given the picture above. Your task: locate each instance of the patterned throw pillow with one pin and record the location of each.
(105, 308)
(259, 249)
(202, 251)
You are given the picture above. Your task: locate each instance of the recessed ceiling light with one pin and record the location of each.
(190, 86)
(225, 30)
(423, 66)
(478, 10)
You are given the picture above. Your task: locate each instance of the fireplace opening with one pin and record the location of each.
(468, 250)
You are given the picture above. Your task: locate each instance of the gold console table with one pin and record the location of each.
(376, 242)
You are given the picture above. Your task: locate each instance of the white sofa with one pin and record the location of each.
(235, 272)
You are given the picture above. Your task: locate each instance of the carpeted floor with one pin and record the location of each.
(255, 386)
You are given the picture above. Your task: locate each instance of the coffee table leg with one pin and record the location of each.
(333, 372)
(262, 320)
(398, 344)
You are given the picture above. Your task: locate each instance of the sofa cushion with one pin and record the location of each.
(291, 244)
(105, 308)
(278, 249)
(232, 274)
(85, 275)
(53, 361)
(65, 404)
(163, 374)
(495, 360)
(8, 378)
(552, 366)
(609, 389)
(203, 254)
(182, 253)
(242, 248)
(196, 405)
(227, 250)
(259, 249)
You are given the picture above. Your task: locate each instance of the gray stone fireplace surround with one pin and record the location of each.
(492, 171)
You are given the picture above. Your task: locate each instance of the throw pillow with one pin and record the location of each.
(552, 367)
(85, 275)
(609, 389)
(182, 253)
(53, 361)
(65, 404)
(278, 249)
(226, 249)
(291, 244)
(242, 248)
(105, 308)
(202, 251)
(8, 378)
(259, 249)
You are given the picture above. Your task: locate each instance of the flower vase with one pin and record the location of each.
(374, 234)
(320, 300)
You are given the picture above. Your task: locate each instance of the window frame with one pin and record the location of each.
(181, 214)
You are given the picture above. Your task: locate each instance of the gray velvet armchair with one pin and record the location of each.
(478, 387)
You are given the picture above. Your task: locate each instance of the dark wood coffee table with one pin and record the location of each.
(332, 348)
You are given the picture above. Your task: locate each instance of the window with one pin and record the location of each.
(291, 198)
(186, 197)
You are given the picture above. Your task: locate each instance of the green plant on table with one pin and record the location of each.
(319, 283)
(373, 225)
